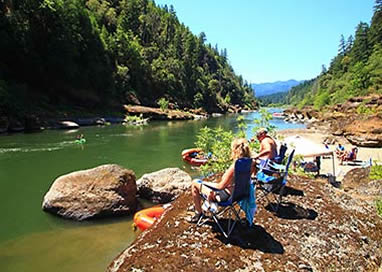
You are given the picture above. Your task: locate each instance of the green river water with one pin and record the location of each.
(32, 240)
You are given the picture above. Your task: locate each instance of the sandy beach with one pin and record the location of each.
(364, 153)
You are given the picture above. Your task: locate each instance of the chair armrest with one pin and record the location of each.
(272, 166)
(212, 188)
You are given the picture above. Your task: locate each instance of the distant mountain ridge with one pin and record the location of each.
(262, 89)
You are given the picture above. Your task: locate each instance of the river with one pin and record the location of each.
(32, 240)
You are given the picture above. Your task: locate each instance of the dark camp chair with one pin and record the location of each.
(242, 180)
(272, 178)
(281, 155)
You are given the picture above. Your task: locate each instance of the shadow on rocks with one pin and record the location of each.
(245, 237)
(292, 191)
(292, 211)
(287, 191)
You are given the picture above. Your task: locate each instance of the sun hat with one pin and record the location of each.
(261, 131)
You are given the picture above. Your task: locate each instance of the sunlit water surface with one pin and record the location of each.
(32, 240)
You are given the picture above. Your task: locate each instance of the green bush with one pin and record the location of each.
(218, 143)
(376, 172)
(163, 104)
(263, 122)
(378, 203)
(227, 99)
(363, 109)
(132, 118)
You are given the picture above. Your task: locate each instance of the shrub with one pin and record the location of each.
(133, 118)
(378, 203)
(263, 122)
(163, 104)
(375, 172)
(218, 143)
(363, 109)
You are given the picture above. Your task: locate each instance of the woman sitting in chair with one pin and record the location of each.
(239, 149)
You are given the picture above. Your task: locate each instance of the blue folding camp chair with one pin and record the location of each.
(272, 178)
(281, 155)
(242, 180)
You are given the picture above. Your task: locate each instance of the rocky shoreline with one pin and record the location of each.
(359, 120)
(35, 123)
(318, 228)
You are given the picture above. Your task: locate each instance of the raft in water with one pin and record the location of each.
(193, 157)
(146, 218)
(80, 141)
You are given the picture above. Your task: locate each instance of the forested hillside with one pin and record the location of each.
(355, 71)
(263, 89)
(275, 99)
(94, 54)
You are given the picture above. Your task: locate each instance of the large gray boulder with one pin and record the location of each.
(163, 186)
(102, 191)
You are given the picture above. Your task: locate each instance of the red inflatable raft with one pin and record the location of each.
(145, 218)
(278, 115)
(191, 156)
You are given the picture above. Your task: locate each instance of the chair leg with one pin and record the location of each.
(266, 195)
(278, 199)
(220, 227)
(201, 221)
(231, 221)
(280, 196)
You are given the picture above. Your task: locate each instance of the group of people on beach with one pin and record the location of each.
(239, 149)
(344, 155)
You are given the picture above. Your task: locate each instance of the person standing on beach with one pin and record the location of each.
(268, 146)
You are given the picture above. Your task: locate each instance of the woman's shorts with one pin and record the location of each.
(220, 195)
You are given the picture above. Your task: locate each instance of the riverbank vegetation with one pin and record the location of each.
(217, 142)
(66, 55)
(376, 174)
(355, 71)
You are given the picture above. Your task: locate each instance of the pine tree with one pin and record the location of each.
(376, 24)
(349, 44)
(342, 46)
(361, 48)
(323, 69)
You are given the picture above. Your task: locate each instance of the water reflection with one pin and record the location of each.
(31, 240)
(63, 249)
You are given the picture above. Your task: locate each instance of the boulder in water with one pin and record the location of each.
(102, 191)
(163, 186)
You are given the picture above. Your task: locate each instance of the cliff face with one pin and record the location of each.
(359, 120)
(318, 228)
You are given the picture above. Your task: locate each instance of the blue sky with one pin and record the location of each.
(270, 40)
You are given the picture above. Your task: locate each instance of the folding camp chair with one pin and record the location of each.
(242, 180)
(281, 155)
(272, 178)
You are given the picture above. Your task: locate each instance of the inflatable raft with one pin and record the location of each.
(80, 141)
(278, 115)
(146, 218)
(192, 156)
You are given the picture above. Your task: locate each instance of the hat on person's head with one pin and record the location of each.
(261, 131)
